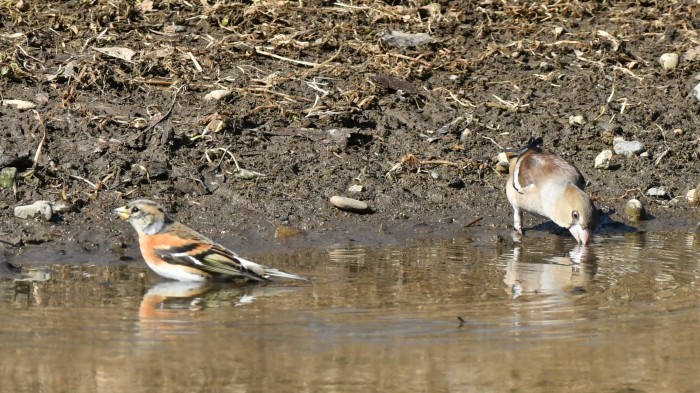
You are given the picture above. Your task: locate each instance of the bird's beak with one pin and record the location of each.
(122, 212)
(582, 235)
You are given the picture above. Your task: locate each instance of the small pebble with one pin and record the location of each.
(668, 61)
(634, 210)
(656, 191)
(356, 188)
(466, 135)
(38, 208)
(627, 148)
(349, 204)
(217, 95)
(435, 175)
(577, 120)
(602, 161)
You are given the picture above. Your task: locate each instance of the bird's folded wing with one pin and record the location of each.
(211, 258)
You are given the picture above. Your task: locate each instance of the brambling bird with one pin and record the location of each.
(175, 251)
(546, 185)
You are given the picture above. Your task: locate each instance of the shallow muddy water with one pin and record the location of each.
(545, 315)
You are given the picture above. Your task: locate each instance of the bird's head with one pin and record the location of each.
(146, 216)
(575, 211)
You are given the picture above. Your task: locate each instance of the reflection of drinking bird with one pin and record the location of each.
(558, 275)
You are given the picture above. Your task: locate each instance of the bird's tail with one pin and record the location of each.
(270, 272)
(266, 272)
(532, 145)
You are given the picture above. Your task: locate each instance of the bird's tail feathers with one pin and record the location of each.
(267, 272)
(270, 272)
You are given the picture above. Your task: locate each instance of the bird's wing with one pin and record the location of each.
(534, 168)
(185, 246)
(211, 258)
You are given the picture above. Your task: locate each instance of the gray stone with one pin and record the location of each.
(634, 210)
(627, 148)
(349, 204)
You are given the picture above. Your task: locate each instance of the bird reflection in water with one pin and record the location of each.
(168, 309)
(555, 274)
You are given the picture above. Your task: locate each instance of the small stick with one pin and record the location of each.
(159, 82)
(415, 60)
(474, 221)
(41, 143)
(662, 155)
(439, 162)
(492, 141)
(278, 57)
(85, 180)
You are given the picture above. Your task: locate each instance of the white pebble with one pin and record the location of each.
(602, 161)
(217, 95)
(668, 61)
(349, 204)
(356, 188)
(38, 208)
(656, 191)
(578, 120)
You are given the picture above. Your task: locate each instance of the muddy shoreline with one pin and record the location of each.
(319, 97)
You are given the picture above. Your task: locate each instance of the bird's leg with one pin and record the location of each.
(518, 220)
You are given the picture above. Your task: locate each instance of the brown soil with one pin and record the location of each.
(323, 98)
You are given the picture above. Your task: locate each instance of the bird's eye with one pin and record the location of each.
(574, 214)
(134, 209)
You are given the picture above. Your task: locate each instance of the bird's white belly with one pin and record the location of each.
(177, 273)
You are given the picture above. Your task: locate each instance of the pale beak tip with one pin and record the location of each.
(122, 212)
(582, 236)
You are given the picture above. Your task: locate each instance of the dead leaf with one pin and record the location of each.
(119, 52)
